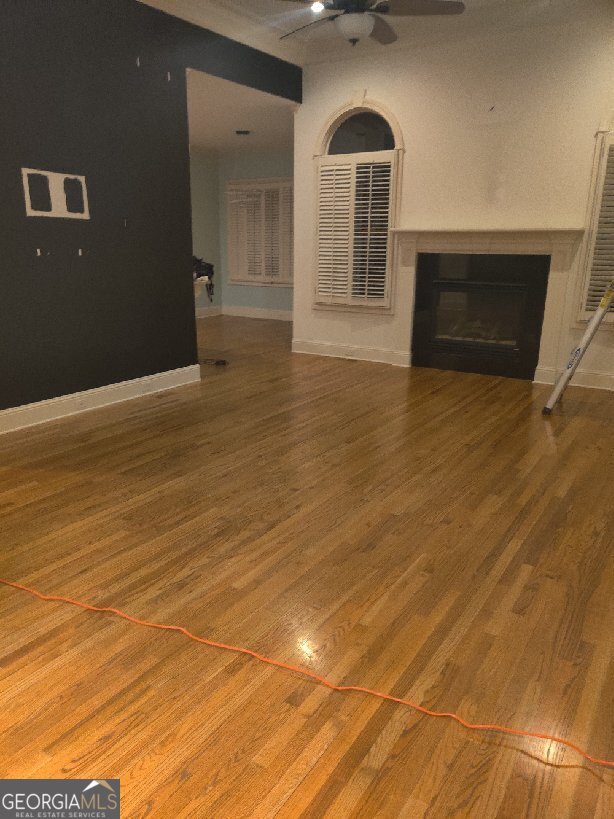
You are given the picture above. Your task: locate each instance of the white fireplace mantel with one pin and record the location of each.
(562, 245)
(497, 240)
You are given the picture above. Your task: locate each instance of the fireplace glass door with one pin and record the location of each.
(479, 312)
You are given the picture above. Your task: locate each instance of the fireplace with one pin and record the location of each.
(479, 312)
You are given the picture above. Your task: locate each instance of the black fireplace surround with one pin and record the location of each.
(479, 313)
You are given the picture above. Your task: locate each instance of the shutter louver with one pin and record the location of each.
(371, 220)
(602, 263)
(334, 231)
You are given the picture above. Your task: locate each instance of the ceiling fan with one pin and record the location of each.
(356, 19)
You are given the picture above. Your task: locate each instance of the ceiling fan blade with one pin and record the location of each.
(330, 18)
(417, 8)
(383, 31)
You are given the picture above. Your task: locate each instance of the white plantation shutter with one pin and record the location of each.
(286, 230)
(354, 219)
(601, 269)
(259, 219)
(371, 220)
(250, 220)
(244, 232)
(334, 230)
(272, 239)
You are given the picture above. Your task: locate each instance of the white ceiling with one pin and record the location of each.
(261, 23)
(217, 108)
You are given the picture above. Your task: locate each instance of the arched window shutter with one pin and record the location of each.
(334, 229)
(354, 218)
(371, 223)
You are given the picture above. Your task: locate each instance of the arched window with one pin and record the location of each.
(356, 194)
(360, 133)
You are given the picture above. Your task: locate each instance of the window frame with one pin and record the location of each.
(348, 301)
(359, 104)
(286, 263)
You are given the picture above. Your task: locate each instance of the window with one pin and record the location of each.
(362, 132)
(260, 234)
(600, 248)
(58, 195)
(356, 190)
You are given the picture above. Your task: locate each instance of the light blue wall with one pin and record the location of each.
(209, 172)
(261, 165)
(204, 185)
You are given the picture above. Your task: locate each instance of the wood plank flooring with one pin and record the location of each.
(420, 532)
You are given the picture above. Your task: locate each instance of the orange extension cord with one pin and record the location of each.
(322, 680)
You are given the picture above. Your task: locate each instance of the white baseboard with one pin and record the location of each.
(581, 378)
(243, 312)
(397, 357)
(54, 408)
(257, 312)
(209, 310)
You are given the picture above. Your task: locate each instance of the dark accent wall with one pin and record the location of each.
(73, 100)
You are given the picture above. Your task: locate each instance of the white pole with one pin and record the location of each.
(578, 352)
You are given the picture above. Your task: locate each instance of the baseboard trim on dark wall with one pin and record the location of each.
(77, 402)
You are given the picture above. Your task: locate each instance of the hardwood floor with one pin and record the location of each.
(420, 532)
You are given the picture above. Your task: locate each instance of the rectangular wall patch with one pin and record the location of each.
(56, 195)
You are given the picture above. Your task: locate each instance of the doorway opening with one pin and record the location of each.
(241, 175)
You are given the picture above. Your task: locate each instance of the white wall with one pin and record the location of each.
(499, 131)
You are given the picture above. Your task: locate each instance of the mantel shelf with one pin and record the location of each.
(564, 241)
(560, 231)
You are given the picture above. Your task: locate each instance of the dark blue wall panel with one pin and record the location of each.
(72, 99)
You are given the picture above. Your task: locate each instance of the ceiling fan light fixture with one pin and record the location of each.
(354, 27)
(317, 7)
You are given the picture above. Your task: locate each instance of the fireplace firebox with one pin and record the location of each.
(479, 312)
